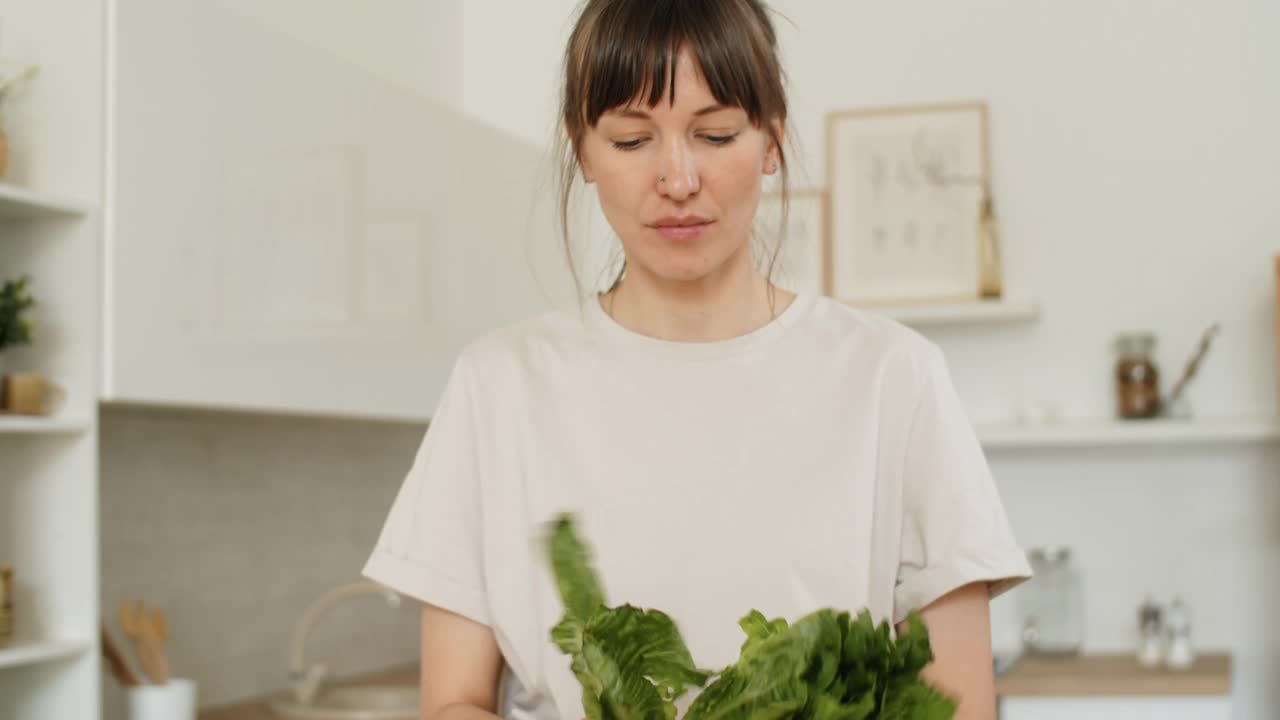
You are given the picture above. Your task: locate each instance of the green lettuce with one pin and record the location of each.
(632, 663)
(828, 665)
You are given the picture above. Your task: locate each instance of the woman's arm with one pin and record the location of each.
(461, 667)
(960, 632)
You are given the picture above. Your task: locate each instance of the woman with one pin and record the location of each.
(725, 444)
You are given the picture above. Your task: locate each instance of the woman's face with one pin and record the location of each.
(679, 182)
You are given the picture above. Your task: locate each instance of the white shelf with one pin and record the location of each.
(20, 203)
(959, 313)
(1116, 433)
(31, 653)
(55, 425)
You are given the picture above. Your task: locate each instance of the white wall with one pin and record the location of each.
(408, 43)
(1132, 151)
(234, 524)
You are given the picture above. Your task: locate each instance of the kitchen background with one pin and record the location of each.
(295, 212)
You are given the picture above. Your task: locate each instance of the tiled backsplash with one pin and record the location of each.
(234, 523)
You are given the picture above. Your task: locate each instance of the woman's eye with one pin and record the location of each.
(627, 144)
(720, 139)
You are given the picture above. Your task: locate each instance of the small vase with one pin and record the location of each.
(990, 273)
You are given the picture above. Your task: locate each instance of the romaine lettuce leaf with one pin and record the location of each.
(632, 663)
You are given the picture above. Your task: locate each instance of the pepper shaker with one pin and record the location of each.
(1179, 654)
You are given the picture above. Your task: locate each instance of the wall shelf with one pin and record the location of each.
(1115, 433)
(19, 203)
(959, 313)
(55, 425)
(32, 653)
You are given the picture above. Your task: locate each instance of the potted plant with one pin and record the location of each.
(8, 84)
(15, 327)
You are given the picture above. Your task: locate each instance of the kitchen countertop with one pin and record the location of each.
(1085, 675)
(1100, 675)
(258, 709)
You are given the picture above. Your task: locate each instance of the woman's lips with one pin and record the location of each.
(683, 232)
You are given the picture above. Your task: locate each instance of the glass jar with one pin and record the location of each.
(1052, 604)
(6, 604)
(1137, 377)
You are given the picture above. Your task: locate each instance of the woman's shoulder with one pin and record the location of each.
(525, 342)
(866, 331)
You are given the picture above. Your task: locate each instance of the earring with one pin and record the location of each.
(662, 178)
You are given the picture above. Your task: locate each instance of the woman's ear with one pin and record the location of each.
(773, 153)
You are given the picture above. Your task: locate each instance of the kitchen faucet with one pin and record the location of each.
(306, 679)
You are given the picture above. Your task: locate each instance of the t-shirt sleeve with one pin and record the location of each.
(430, 546)
(954, 528)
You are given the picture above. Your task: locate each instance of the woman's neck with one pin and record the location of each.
(733, 303)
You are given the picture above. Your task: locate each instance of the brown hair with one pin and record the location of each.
(621, 49)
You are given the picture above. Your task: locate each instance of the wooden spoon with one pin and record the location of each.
(160, 634)
(145, 644)
(115, 660)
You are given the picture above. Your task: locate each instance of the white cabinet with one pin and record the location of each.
(310, 223)
(1116, 708)
(50, 230)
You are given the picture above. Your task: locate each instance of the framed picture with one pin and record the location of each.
(801, 261)
(906, 186)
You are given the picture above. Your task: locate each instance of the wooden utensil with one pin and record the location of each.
(146, 644)
(116, 661)
(160, 624)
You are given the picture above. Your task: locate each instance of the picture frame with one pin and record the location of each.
(801, 261)
(905, 190)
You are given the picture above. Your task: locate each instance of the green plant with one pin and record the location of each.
(828, 665)
(13, 82)
(15, 300)
(631, 663)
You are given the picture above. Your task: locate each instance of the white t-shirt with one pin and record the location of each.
(823, 460)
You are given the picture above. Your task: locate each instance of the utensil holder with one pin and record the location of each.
(175, 700)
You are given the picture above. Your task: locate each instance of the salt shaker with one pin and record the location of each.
(1179, 654)
(1150, 634)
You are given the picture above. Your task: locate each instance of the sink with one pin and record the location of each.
(352, 702)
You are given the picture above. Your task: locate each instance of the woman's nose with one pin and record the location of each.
(678, 172)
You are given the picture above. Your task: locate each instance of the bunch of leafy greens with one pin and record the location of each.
(632, 663)
(828, 665)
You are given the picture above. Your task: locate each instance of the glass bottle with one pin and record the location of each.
(1052, 604)
(990, 272)
(1137, 377)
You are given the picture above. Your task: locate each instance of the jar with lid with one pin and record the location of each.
(1052, 604)
(1137, 377)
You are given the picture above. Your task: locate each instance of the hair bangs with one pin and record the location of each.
(631, 57)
